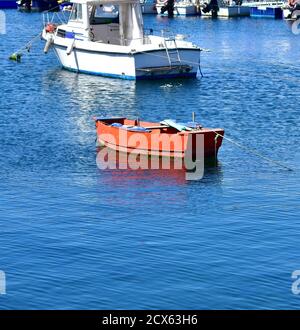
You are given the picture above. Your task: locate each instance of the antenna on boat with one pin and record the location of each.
(193, 116)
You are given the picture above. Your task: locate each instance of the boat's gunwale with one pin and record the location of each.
(128, 52)
(203, 130)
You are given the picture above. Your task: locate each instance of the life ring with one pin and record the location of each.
(50, 28)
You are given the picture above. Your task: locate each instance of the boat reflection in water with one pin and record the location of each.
(91, 93)
(132, 167)
(136, 167)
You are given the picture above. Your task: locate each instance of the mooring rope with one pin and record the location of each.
(16, 56)
(253, 151)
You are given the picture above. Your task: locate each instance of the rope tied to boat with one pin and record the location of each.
(16, 56)
(253, 151)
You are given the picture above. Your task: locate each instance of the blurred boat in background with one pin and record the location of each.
(8, 4)
(180, 8)
(37, 5)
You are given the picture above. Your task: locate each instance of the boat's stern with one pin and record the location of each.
(207, 139)
(167, 58)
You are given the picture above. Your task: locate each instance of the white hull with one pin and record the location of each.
(180, 10)
(234, 11)
(230, 11)
(149, 64)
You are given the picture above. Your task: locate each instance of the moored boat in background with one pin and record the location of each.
(265, 8)
(222, 8)
(267, 12)
(8, 4)
(180, 8)
(37, 5)
(106, 37)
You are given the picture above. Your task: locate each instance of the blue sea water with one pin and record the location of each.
(73, 236)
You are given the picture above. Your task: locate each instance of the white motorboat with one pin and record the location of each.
(106, 37)
(223, 8)
(181, 8)
(8, 4)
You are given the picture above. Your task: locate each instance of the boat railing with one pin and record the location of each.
(169, 36)
(60, 17)
(166, 34)
(145, 40)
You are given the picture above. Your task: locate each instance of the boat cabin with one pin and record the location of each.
(117, 22)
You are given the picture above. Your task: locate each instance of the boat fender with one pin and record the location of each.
(48, 45)
(70, 47)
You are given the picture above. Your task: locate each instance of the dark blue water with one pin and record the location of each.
(73, 236)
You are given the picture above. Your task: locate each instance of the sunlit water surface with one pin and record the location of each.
(73, 236)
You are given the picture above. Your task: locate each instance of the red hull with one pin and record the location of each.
(157, 139)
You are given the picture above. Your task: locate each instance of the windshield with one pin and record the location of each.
(104, 14)
(76, 14)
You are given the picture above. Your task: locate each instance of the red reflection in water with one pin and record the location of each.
(122, 166)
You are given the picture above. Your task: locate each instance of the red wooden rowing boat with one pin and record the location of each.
(167, 138)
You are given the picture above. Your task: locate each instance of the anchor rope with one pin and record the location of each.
(28, 45)
(253, 151)
(17, 54)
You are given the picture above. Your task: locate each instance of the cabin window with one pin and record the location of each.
(104, 14)
(61, 33)
(76, 14)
